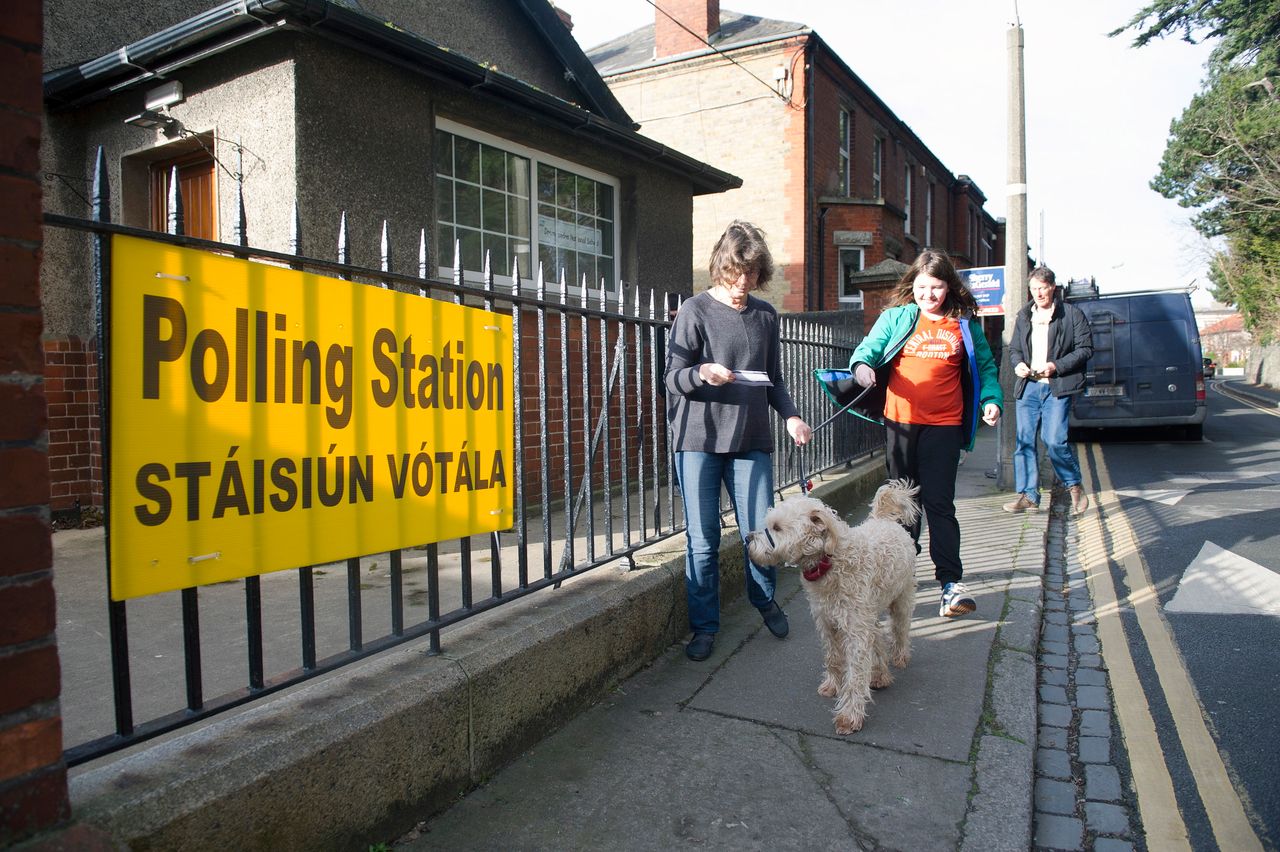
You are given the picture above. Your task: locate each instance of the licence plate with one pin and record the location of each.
(1104, 390)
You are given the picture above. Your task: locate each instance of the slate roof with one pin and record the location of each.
(635, 49)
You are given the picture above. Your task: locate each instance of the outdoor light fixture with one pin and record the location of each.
(164, 96)
(150, 119)
(153, 116)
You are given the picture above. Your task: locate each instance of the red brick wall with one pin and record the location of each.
(700, 16)
(75, 445)
(33, 787)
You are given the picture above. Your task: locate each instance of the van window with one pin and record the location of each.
(1160, 344)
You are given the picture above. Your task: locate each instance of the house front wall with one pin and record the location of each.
(338, 131)
(713, 111)
(896, 193)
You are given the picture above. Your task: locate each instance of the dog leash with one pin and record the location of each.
(806, 484)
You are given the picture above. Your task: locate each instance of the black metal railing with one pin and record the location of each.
(593, 483)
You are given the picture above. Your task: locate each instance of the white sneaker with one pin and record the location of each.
(956, 600)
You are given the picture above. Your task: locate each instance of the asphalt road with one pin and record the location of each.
(1205, 516)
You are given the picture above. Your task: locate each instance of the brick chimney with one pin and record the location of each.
(565, 17)
(700, 16)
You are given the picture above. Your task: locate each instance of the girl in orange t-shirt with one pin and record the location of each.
(932, 359)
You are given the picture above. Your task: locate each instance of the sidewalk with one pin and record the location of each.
(739, 752)
(1260, 394)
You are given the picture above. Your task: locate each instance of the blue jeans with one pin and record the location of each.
(749, 479)
(1038, 408)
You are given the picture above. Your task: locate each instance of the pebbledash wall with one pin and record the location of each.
(33, 782)
(369, 153)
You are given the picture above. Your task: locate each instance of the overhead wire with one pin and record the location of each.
(784, 98)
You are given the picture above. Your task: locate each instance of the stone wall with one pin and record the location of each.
(1262, 365)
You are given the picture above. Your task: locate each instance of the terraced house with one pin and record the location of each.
(846, 191)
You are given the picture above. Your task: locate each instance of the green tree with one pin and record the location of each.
(1249, 29)
(1223, 155)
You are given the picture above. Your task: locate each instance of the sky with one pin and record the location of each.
(1097, 114)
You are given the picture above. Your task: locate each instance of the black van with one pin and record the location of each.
(1146, 368)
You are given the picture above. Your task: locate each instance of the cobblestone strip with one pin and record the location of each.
(1080, 799)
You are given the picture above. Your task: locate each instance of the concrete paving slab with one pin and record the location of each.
(651, 779)
(892, 799)
(776, 683)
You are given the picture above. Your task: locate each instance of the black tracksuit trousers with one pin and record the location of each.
(928, 456)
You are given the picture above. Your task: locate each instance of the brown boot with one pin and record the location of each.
(1079, 500)
(1022, 504)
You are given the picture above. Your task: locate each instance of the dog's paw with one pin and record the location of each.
(828, 687)
(881, 680)
(848, 723)
(901, 660)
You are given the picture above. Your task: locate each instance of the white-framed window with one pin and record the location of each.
(850, 293)
(877, 160)
(497, 196)
(906, 198)
(844, 182)
(929, 189)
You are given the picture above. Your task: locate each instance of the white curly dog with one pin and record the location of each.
(852, 574)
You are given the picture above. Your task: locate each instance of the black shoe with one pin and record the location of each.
(776, 620)
(699, 647)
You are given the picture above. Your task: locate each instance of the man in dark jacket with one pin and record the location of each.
(1051, 343)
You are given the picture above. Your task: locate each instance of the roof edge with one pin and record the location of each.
(233, 22)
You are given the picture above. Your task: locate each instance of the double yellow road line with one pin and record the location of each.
(1106, 539)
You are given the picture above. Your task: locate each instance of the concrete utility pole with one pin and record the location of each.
(1015, 250)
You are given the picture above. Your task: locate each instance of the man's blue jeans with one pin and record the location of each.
(1039, 410)
(749, 479)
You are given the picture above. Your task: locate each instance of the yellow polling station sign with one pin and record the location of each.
(264, 418)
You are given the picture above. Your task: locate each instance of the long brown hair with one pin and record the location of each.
(936, 264)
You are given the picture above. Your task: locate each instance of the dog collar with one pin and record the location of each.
(817, 571)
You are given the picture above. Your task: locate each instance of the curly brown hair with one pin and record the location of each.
(936, 264)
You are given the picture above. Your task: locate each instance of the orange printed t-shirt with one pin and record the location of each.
(924, 387)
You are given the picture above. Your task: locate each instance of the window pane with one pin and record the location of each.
(495, 211)
(518, 217)
(604, 194)
(546, 184)
(518, 175)
(496, 246)
(446, 247)
(466, 159)
(521, 252)
(587, 267)
(850, 262)
(444, 199)
(547, 257)
(493, 172)
(470, 248)
(444, 153)
(566, 189)
(606, 237)
(565, 265)
(468, 210)
(587, 197)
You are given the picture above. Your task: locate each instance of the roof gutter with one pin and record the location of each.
(227, 24)
(239, 21)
